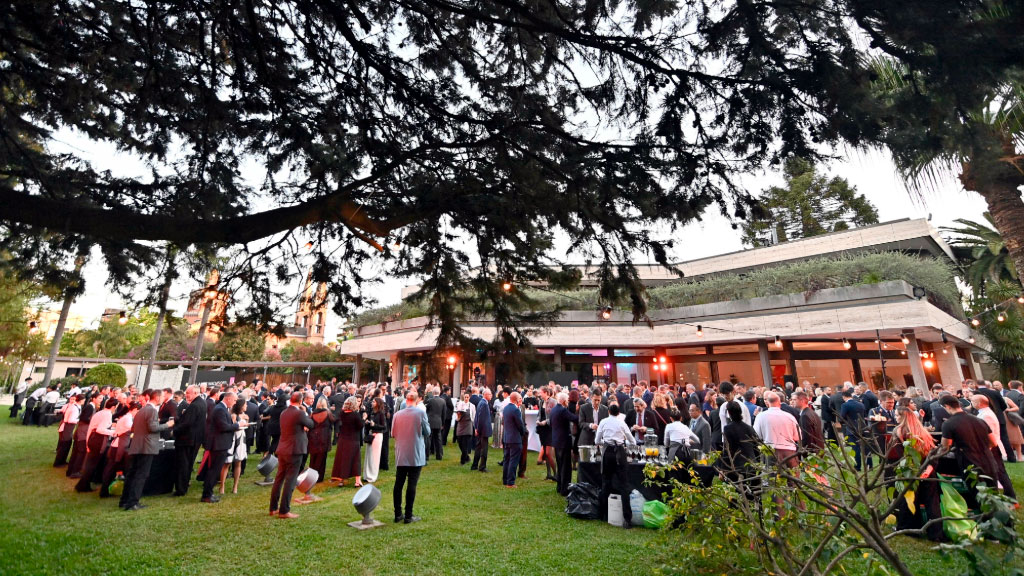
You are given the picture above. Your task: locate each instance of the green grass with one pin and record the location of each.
(471, 525)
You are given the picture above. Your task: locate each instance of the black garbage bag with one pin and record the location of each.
(582, 501)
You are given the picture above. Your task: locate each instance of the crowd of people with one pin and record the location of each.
(105, 433)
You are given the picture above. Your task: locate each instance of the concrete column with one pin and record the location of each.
(950, 371)
(766, 362)
(460, 370)
(397, 369)
(559, 359)
(357, 369)
(916, 368)
(383, 371)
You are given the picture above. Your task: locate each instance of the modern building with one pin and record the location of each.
(883, 327)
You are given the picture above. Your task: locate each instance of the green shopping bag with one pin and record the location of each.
(953, 505)
(116, 487)
(655, 514)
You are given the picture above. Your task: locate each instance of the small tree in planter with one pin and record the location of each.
(106, 375)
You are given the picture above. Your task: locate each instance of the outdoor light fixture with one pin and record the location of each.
(943, 334)
(846, 344)
(700, 331)
(905, 339)
(929, 364)
(919, 292)
(945, 350)
(309, 246)
(971, 340)
(778, 342)
(657, 367)
(506, 286)
(267, 467)
(662, 359)
(975, 322)
(606, 312)
(33, 327)
(452, 359)
(1020, 299)
(365, 501)
(1001, 318)
(122, 318)
(903, 352)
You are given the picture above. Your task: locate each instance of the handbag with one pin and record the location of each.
(1015, 419)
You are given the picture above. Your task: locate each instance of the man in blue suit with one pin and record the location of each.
(410, 430)
(561, 439)
(482, 431)
(513, 432)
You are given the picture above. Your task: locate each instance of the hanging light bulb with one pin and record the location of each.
(975, 322)
(122, 318)
(846, 344)
(33, 327)
(929, 364)
(1020, 299)
(700, 331)
(662, 359)
(945, 350)
(971, 340)
(506, 286)
(778, 342)
(606, 312)
(905, 339)
(1001, 317)
(903, 352)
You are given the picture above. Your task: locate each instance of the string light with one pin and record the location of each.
(1020, 299)
(846, 344)
(971, 340)
(778, 342)
(929, 364)
(122, 318)
(975, 322)
(506, 286)
(700, 331)
(606, 312)
(33, 327)
(1001, 317)
(905, 339)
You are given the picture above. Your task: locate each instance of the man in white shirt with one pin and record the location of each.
(779, 430)
(613, 435)
(679, 433)
(19, 396)
(981, 404)
(729, 391)
(101, 428)
(50, 399)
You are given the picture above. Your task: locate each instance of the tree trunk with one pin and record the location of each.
(165, 293)
(1007, 209)
(57, 335)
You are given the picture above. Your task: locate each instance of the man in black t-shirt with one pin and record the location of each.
(970, 436)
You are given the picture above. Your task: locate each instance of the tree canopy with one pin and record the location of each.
(426, 138)
(808, 205)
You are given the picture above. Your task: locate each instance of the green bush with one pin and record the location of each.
(106, 375)
(934, 275)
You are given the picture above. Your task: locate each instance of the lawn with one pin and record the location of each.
(471, 525)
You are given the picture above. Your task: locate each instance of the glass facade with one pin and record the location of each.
(748, 373)
(825, 372)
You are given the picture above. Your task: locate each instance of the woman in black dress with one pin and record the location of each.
(320, 438)
(274, 422)
(346, 460)
(547, 451)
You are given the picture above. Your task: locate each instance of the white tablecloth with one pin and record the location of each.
(531, 424)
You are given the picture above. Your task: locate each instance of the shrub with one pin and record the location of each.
(106, 375)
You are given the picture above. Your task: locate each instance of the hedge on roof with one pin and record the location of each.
(934, 275)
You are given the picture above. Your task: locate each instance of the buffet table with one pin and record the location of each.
(161, 474)
(590, 472)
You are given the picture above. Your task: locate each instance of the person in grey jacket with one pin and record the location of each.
(145, 444)
(410, 428)
(590, 416)
(700, 427)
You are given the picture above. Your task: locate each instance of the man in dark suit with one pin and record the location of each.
(561, 438)
(168, 410)
(435, 415)
(812, 435)
(252, 414)
(590, 416)
(641, 421)
(513, 432)
(867, 397)
(482, 431)
(701, 428)
(189, 432)
(223, 430)
(449, 410)
(852, 415)
(336, 402)
(145, 444)
(998, 405)
(291, 448)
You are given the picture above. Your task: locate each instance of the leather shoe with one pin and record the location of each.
(135, 508)
(211, 500)
(411, 519)
(483, 470)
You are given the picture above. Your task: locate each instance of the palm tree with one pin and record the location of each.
(981, 253)
(931, 139)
